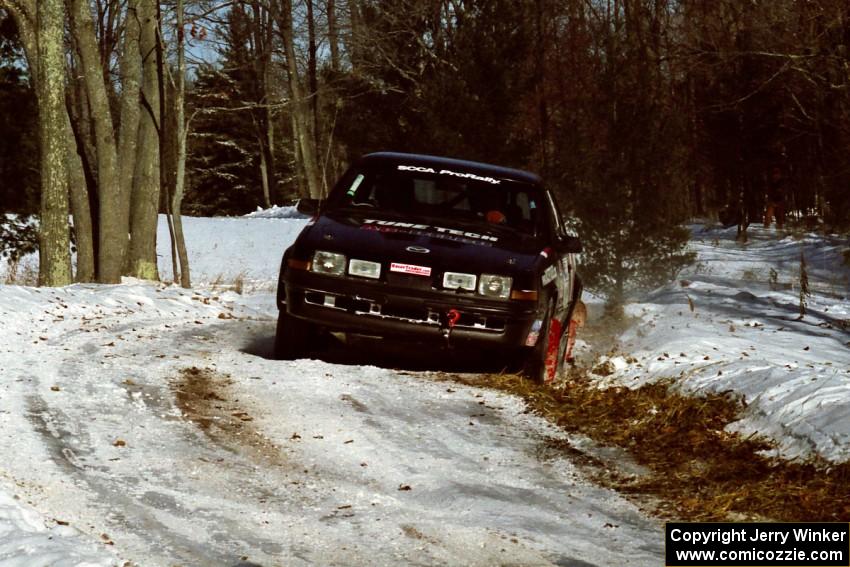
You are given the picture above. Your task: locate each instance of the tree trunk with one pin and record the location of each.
(128, 142)
(144, 202)
(333, 35)
(312, 72)
(80, 206)
(268, 117)
(54, 236)
(264, 180)
(263, 120)
(355, 38)
(300, 108)
(298, 165)
(177, 198)
(24, 18)
(113, 227)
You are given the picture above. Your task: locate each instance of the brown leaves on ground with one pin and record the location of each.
(203, 396)
(698, 470)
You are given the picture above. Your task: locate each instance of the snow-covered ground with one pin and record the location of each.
(731, 322)
(142, 423)
(226, 251)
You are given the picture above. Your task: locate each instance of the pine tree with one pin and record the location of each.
(223, 151)
(230, 151)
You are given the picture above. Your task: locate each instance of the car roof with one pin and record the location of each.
(422, 160)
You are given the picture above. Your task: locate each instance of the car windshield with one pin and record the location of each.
(444, 195)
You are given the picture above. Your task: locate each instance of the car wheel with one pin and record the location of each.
(293, 338)
(543, 361)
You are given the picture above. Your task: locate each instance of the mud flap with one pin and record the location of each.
(578, 318)
(552, 348)
(571, 341)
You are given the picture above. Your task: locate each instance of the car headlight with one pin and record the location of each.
(456, 280)
(364, 269)
(329, 263)
(495, 286)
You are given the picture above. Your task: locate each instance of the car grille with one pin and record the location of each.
(409, 281)
(422, 316)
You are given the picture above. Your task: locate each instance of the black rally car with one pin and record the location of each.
(430, 248)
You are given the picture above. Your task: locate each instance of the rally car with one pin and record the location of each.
(438, 250)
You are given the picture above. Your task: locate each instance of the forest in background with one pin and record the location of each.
(639, 114)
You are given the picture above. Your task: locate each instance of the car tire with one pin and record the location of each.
(542, 363)
(294, 337)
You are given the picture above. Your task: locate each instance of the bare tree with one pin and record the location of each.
(54, 237)
(333, 35)
(113, 226)
(181, 134)
(300, 108)
(144, 202)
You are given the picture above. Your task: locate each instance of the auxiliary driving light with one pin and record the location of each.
(455, 280)
(364, 269)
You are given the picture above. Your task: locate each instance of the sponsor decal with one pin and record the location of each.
(429, 230)
(472, 176)
(355, 184)
(549, 275)
(534, 334)
(410, 269)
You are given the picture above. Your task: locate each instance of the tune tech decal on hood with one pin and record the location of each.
(428, 230)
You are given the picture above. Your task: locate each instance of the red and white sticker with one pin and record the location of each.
(410, 269)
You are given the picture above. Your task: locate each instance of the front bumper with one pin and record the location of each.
(377, 309)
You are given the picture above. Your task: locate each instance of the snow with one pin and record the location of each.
(319, 462)
(745, 336)
(224, 250)
(276, 212)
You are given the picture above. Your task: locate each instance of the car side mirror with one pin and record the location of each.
(570, 245)
(307, 206)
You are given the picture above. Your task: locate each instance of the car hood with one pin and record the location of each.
(440, 245)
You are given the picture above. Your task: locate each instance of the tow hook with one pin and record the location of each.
(452, 317)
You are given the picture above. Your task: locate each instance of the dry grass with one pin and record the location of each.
(697, 470)
(19, 272)
(240, 283)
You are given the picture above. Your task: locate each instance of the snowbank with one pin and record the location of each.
(242, 252)
(229, 251)
(731, 323)
(275, 212)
